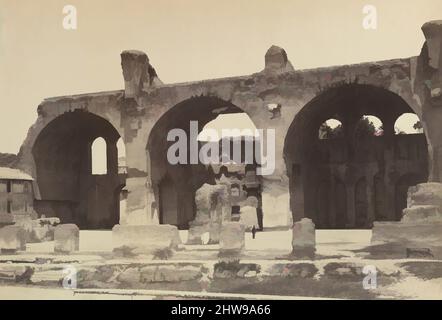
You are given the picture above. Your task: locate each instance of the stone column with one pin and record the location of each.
(389, 159)
(436, 164)
(138, 205)
(390, 197)
(388, 126)
(428, 84)
(370, 200)
(333, 200)
(351, 212)
(349, 122)
(297, 191)
(112, 157)
(433, 35)
(141, 206)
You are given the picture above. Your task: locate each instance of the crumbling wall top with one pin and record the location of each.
(138, 73)
(433, 34)
(276, 60)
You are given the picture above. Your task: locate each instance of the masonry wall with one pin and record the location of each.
(352, 192)
(135, 111)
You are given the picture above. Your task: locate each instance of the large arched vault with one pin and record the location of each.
(369, 163)
(63, 162)
(174, 185)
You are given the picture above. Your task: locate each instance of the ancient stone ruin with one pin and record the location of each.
(419, 231)
(342, 178)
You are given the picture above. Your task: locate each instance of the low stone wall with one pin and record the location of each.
(331, 278)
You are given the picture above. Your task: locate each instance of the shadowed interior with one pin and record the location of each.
(175, 185)
(68, 189)
(351, 180)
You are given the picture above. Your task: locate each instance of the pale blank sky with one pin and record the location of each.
(213, 130)
(185, 40)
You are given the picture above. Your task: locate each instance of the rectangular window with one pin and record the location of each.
(8, 210)
(3, 206)
(3, 186)
(8, 187)
(27, 186)
(18, 187)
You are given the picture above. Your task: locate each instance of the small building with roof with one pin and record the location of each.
(16, 196)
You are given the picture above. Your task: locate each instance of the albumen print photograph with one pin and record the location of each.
(237, 150)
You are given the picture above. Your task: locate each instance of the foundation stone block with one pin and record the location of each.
(145, 239)
(12, 239)
(67, 238)
(232, 238)
(249, 217)
(194, 236)
(304, 239)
